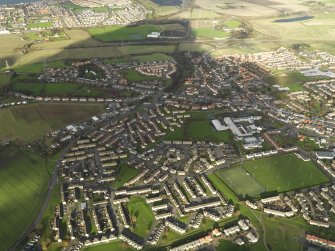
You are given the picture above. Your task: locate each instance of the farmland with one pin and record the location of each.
(209, 33)
(23, 177)
(30, 122)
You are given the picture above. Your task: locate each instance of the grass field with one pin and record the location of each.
(57, 89)
(135, 76)
(277, 173)
(39, 25)
(199, 129)
(23, 179)
(114, 245)
(237, 179)
(141, 214)
(117, 33)
(30, 122)
(4, 80)
(293, 80)
(37, 68)
(209, 33)
(126, 173)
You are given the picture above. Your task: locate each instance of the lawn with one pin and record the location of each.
(240, 181)
(142, 216)
(152, 57)
(209, 33)
(30, 122)
(125, 174)
(283, 173)
(114, 245)
(23, 179)
(117, 33)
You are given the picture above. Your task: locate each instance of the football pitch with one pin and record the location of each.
(279, 173)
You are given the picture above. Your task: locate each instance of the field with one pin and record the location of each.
(195, 129)
(237, 178)
(135, 76)
(141, 214)
(23, 178)
(30, 122)
(39, 25)
(57, 89)
(114, 245)
(293, 80)
(125, 174)
(279, 173)
(117, 33)
(4, 80)
(209, 33)
(37, 68)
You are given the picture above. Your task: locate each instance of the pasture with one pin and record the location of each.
(209, 33)
(281, 173)
(29, 122)
(23, 179)
(141, 215)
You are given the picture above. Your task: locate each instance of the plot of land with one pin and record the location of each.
(237, 179)
(30, 122)
(285, 172)
(141, 214)
(23, 179)
(209, 33)
(125, 174)
(293, 80)
(117, 33)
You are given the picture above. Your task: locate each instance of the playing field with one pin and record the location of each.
(237, 179)
(23, 179)
(277, 173)
(141, 214)
(29, 122)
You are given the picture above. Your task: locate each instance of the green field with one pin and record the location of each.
(293, 80)
(57, 89)
(279, 173)
(117, 33)
(141, 214)
(30, 122)
(23, 179)
(4, 80)
(135, 76)
(209, 33)
(38, 25)
(199, 129)
(125, 174)
(237, 179)
(37, 68)
(114, 245)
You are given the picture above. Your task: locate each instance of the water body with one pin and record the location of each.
(16, 1)
(167, 2)
(293, 19)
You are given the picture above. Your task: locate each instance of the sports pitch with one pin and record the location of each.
(277, 173)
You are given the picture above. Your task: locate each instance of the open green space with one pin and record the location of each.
(30, 122)
(117, 33)
(57, 89)
(237, 179)
(279, 173)
(293, 80)
(114, 245)
(141, 215)
(125, 174)
(37, 68)
(4, 80)
(209, 33)
(232, 24)
(39, 25)
(135, 76)
(23, 178)
(199, 129)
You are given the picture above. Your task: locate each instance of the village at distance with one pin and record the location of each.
(178, 125)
